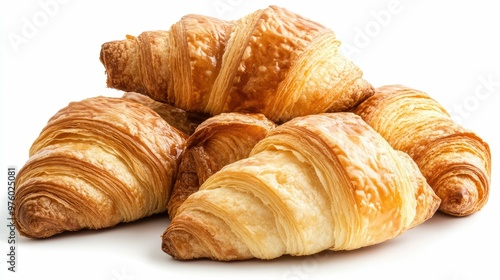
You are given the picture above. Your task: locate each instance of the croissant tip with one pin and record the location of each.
(460, 202)
(166, 245)
(32, 225)
(175, 246)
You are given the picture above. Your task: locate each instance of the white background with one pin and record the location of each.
(50, 56)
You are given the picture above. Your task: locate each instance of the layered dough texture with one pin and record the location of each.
(318, 182)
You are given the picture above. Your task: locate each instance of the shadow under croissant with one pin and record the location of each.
(145, 233)
(439, 222)
(304, 267)
(147, 226)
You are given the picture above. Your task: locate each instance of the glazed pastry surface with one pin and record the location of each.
(455, 161)
(96, 163)
(272, 61)
(319, 182)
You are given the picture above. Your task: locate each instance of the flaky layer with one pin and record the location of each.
(97, 162)
(217, 142)
(272, 61)
(319, 182)
(455, 161)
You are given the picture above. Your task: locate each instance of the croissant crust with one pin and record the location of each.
(272, 61)
(96, 163)
(455, 161)
(317, 182)
(218, 141)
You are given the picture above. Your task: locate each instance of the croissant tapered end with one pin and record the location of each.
(96, 163)
(318, 182)
(455, 161)
(192, 238)
(52, 196)
(121, 66)
(124, 62)
(182, 245)
(42, 217)
(458, 167)
(460, 199)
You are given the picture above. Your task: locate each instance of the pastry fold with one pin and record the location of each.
(218, 141)
(318, 182)
(96, 163)
(455, 161)
(272, 61)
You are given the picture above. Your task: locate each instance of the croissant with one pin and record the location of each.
(318, 182)
(455, 161)
(96, 163)
(218, 141)
(271, 61)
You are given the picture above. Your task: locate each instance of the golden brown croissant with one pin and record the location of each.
(318, 182)
(455, 161)
(97, 162)
(218, 141)
(271, 61)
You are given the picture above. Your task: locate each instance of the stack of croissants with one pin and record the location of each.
(257, 137)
